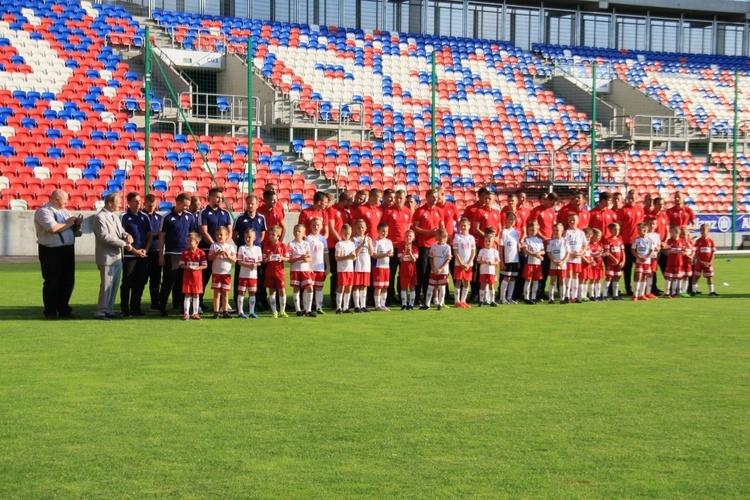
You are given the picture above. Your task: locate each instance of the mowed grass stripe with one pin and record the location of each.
(615, 399)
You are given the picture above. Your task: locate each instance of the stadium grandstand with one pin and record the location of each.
(340, 95)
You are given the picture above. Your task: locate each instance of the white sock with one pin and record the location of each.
(404, 298)
(667, 287)
(282, 303)
(616, 292)
(363, 297)
(465, 294)
(295, 297)
(573, 288)
(428, 298)
(412, 297)
(307, 299)
(503, 290)
(272, 301)
(347, 297)
(695, 286)
(376, 298)
(684, 286)
(711, 287)
(607, 283)
(457, 295)
(552, 287)
(564, 289)
(355, 294)
(526, 290)
(534, 289)
(240, 303)
(186, 305)
(251, 304)
(481, 296)
(490, 294)
(319, 299)
(511, 289)
(196, 305)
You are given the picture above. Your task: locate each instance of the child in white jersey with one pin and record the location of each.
(510, 241)
(249, 258)
(381, 276)
(346, 254)
(488, 260)
(653, 235)
(533, 247)
(319, 261)
(362, 266)
(557, 249)
(576, 245)
(440, 257)
(465, 250)
(642, 249)
(299, 272)
(222, 254)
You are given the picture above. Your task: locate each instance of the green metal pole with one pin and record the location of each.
(592, 188)
(250, 114)
(433, 162)
(147, 78)
(734, 159)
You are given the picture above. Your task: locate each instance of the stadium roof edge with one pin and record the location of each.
(723, 9)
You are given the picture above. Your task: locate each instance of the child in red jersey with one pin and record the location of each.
(586, 285)
(704, 261)
(614, 259)
(596, 270)
(642, 250)
(675, 247)
(407, 274)
(192, 262)
(687, 262)
(275, 253)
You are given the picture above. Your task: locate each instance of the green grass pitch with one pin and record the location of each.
(595, 400)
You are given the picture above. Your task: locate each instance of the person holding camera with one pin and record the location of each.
(56, 231)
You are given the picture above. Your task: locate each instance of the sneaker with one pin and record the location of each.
(466, 305)
(493, 304)
(528, 302)
(283, 314)
(339, 311)
(365, 310)
(347, 311)
(685, 295)
(242, 316)
(651, 296)
(585, 299)
(504, 302)
(274, 314)
(226, 315)
(512, 302)
(439, 307)
(311, 315)
(216, 316)
(634, 299)
(551, 301)
(713, 294)
(573, 301)
(357, 310)
(410, 307)
(665, 296)
(197, 317)
(404, 307)
(480, 304)
(319, 312)
(424, 307)
(300, 313)
(253, 316)
(617, 297)
(186, 317)
(698, 292)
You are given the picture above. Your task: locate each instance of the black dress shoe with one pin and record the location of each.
(70, 316)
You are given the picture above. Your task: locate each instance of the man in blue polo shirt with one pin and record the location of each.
(210, 219)
(135, 262)
(154, 269)
(251, 219)
(175, 227)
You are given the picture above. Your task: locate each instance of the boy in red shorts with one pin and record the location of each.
(675, 247)
(249, 258)
(533, 247)
(704, 262)
(346, 254)
(382, 252)
(222, 255)
(558, 251)
(614, 259)
(275, 253)
(595, 268)
(687, 262)
(464, 250)
(488, 260)
(440, 257)
(192, 262)
(407, 273)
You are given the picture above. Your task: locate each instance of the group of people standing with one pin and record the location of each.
(142, 246)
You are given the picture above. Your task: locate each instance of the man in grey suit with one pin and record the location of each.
(111, 239)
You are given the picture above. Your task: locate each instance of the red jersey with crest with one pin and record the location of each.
(275, 267)
(615, 247)
(674, 259)
(705, 248)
